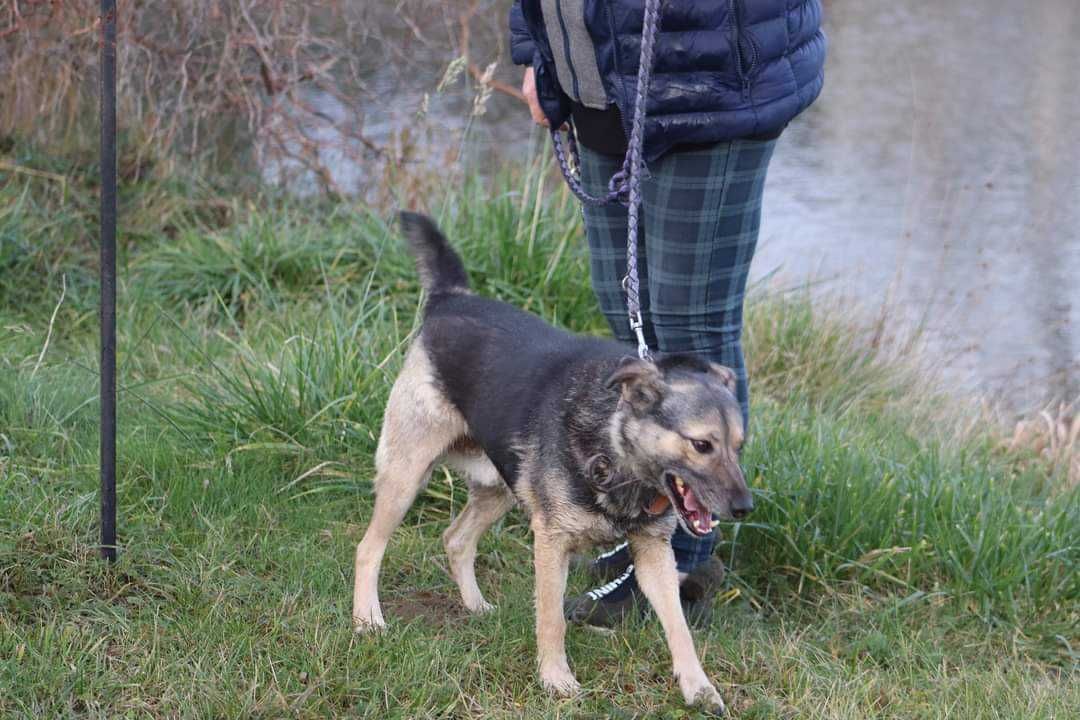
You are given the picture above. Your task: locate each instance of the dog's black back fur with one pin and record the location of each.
(477, 346)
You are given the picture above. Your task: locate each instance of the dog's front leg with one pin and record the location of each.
(552, 560)
(654, 563)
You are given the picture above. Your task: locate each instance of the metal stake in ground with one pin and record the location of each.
(108, 279)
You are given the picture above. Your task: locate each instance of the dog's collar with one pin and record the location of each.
(598, 471)
(604, 479)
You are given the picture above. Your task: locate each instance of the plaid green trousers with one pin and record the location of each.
(700, 216)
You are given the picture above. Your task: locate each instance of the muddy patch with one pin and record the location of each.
(436, 609)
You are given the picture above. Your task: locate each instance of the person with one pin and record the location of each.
(728, 76)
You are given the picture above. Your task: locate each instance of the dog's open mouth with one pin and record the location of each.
(695, 515)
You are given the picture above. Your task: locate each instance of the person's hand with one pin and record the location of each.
(528, 89)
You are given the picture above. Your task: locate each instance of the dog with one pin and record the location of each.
(596, 445)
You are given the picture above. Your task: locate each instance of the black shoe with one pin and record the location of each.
(610, 565)
(699, 589)
(608, 605)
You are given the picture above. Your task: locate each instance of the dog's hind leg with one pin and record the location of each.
(419, 425)
(489, 499)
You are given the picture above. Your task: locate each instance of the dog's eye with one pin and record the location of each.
(702, 446)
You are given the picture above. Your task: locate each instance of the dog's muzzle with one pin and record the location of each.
(695, 515)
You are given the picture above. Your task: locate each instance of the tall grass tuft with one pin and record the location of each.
(313, 383)
(264, 255)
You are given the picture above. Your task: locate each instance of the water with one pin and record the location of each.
(938, 176)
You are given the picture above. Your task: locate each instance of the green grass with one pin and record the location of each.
(896, 566)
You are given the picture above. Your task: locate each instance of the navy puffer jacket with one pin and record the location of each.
(724, 69)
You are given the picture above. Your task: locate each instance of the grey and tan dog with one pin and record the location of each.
(593, 444)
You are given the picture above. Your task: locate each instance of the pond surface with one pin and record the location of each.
(940, 174)
(937, 177)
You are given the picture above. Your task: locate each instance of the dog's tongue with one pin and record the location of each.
(690, 502)
(658, 505)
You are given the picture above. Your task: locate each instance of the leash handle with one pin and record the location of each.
(625, 185)
(617, 186)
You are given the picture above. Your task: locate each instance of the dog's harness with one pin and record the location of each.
(625, 185)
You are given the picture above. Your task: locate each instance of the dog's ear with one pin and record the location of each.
(640, 381)
(726, 375)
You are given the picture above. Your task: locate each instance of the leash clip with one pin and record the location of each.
(638, 326)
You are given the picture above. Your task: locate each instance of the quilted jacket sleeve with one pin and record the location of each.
(521, 43)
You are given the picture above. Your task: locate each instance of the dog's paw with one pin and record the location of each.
(364, 623)
(705, 697)
(558, 680)
(480, 607)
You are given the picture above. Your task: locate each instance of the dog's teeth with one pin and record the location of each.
(678, 482)
(714, 524)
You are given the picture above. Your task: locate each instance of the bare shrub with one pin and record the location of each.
(287, 84)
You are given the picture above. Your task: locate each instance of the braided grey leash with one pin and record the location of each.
(625, 185)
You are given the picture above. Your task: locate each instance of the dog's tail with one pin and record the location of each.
(440, 268)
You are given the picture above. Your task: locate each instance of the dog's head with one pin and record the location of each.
(679, 428)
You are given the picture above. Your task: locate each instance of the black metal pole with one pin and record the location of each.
(108, 279)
